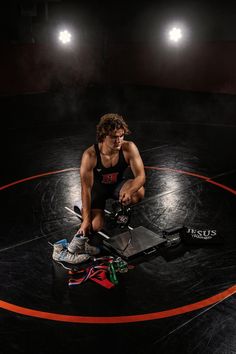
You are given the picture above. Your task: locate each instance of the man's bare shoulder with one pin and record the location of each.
(128, 146)
(89, 156)
(90, 152)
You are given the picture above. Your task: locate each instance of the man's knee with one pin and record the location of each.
(97, 226)
(138, 196)
(97, 221)
(141, 193)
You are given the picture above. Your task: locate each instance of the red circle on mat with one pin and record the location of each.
(121, 319)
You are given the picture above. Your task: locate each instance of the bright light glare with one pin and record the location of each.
(175, 34)
(64, 37)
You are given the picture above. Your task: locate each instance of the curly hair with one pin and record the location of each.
(108, 123)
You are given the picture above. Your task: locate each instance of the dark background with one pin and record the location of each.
(117, 42)
(118, 57)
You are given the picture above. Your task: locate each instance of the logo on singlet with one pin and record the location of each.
(110, 178)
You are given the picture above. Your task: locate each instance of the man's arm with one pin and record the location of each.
(137, 167)
(86, 176)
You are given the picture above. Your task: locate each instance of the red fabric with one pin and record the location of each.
(97, 274)
(102, 280)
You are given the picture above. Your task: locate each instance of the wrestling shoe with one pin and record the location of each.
(79, 244)
(61, 254)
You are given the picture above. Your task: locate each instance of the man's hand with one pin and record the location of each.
(84, 228)
(125, 197)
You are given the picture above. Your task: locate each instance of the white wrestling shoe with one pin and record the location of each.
(61, 254)
(79, 244)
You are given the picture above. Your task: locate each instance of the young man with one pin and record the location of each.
(102, 177)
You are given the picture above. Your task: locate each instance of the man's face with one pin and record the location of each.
(114, 139)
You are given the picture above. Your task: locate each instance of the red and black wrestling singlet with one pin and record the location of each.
(109, 175)
(110, 178)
